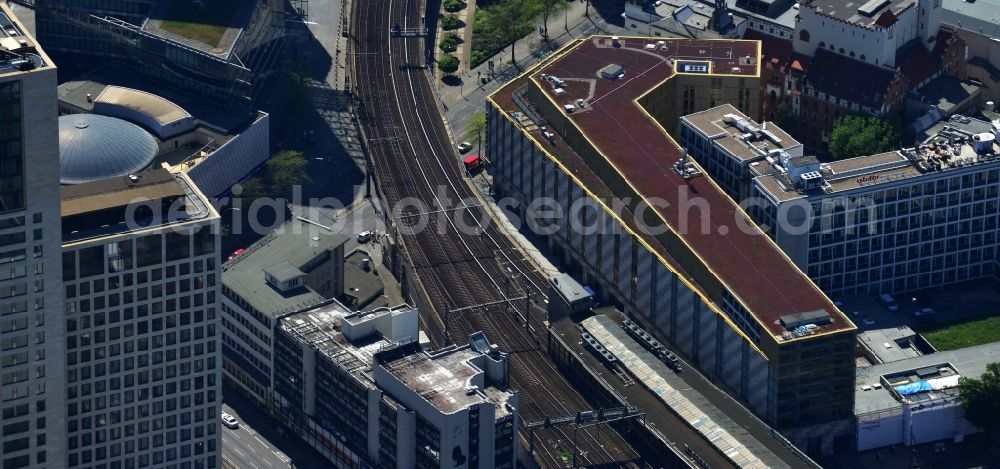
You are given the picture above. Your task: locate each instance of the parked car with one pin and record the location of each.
(365, 236)
(464, 147)
(924, 315)
(888, 302)
(230, 421)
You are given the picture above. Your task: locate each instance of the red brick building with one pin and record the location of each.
(822, 88)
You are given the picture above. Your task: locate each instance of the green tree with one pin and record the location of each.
(448, 64)
(981, 398)
(252, 189)
(453, 5)
(475, 131)
(857, 136)
(512, 20)
(549, 8)
(449, 44)
(288, 169)
(450, 22)
(297, 79)
(785, 118)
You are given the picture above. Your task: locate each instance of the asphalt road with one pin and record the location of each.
(245, 449)
(257, 444)
(458, 111)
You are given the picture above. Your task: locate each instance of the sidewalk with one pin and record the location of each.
(528, 51)
(461, 102)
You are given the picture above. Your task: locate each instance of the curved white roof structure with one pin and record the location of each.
(161, 115)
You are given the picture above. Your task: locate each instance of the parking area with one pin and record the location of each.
(975, 451)
(952, 304)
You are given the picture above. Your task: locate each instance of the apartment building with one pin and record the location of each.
(921, 217)
(31, 346)
(689, 266)
(143, 359)
(296, 266)
(357, 387)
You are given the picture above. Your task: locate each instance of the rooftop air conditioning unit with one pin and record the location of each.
(983, 143)
(811, 180)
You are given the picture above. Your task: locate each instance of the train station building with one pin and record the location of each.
(590, 130)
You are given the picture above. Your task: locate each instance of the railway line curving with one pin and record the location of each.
(412, 159)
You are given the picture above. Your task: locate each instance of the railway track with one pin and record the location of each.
(413, 160)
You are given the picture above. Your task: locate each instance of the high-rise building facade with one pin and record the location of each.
(31, 337)
(143, 355)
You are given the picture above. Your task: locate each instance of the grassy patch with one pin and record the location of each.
(964, 334)
(204, 24)
(482, 48)
(563, 453)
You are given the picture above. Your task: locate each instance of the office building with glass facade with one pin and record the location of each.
(220, 51)
(899, 221)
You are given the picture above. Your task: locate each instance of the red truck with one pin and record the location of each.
(473, 163)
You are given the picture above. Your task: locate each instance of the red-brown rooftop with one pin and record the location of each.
(747, 262)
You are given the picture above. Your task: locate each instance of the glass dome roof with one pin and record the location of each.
(94, 147)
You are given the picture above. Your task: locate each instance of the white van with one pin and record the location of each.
(888, 302)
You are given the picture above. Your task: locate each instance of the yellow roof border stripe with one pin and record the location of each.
(562, 51)
(694, 288)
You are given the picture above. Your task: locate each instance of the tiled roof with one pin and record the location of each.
(772, 48)
(886, 19)
(916, 63)
(837, 75)
(849, 11)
